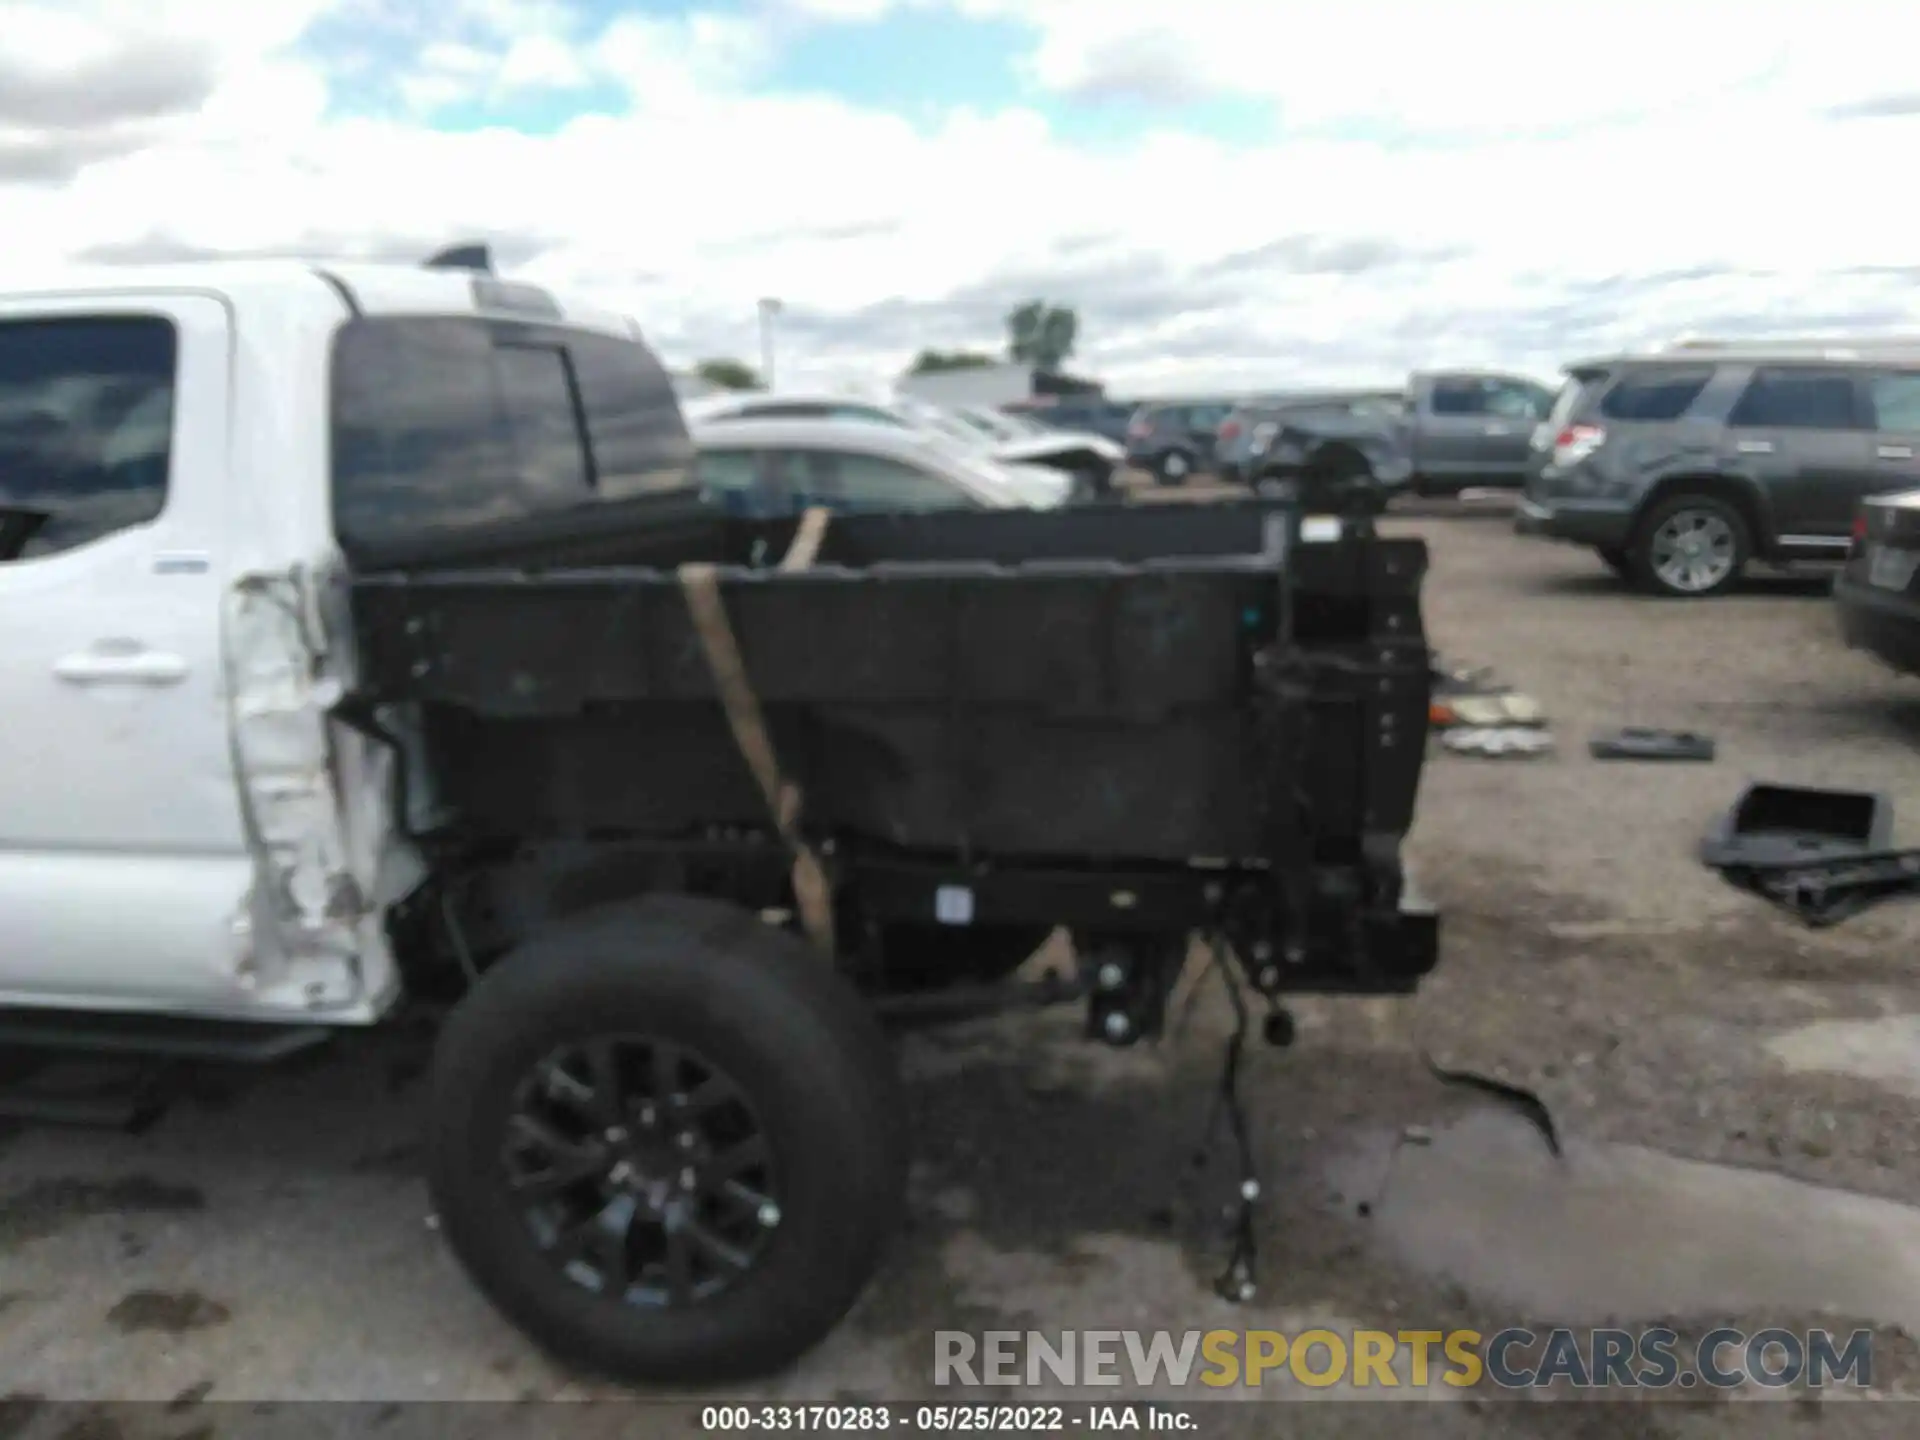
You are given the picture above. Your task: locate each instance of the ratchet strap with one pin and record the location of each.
(700, 584)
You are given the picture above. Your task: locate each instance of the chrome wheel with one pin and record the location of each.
(1693, 551)
(641, 1170)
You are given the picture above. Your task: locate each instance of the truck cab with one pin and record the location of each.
(188, 455)
(1467, 428)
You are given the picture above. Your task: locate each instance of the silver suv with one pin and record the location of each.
(1678, 469)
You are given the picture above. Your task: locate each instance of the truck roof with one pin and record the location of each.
(367, 287)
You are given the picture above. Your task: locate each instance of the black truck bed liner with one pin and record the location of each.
(1036, 684)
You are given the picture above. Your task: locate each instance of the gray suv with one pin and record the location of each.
(1679, 468)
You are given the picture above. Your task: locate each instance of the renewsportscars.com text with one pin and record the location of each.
(1511, 1359)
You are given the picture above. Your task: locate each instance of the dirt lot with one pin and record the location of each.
(273, 1244)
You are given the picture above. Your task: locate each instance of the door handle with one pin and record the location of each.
(1495, 430)
(1755, 447)
(120, 664)
(1896, 452)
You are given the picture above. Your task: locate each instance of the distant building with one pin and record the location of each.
(992, 385)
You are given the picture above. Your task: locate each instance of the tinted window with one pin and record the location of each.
(869, 482)
(537, 403)
(86, 429)
(633, 420)
(725, 470)
(1799, 399)
(743, 481)
(1896, 400)
(1656, 396)
(1459, 397)
(1513, 401)
(441, 424)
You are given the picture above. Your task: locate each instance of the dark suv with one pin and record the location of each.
(1679, 468)
(1173, 438)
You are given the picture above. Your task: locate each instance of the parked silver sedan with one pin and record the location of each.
(779, 466)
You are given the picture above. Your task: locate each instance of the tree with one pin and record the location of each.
(935, 362)
(728, 375)
(1042, 335)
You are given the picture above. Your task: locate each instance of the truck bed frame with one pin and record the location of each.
(1135, 724)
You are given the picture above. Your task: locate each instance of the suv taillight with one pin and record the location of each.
(1576, 442)
(1860, 528)
(1228, 429)
(1140, 429)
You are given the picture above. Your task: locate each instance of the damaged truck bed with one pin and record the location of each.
(1125, 720)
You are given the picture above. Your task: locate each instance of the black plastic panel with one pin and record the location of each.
(1022, 683)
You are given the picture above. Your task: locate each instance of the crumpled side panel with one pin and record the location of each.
(314, 916)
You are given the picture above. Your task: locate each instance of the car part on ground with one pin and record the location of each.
(1775, 824)
(1822, 855)
(1475, 698)
(1498, 742)
(1505, 708)
(1635, 742)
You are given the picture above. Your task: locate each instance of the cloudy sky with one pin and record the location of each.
(1231, 192)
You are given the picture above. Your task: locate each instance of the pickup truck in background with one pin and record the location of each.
(1251, 426)
(1452, 430)
(365, 652)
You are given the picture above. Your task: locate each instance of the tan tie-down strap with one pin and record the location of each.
(700, 584)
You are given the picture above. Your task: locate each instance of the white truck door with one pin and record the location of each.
(124, 865)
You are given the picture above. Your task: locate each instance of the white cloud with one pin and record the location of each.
(1577, 183)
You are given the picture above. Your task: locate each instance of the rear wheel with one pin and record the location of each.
(667, 1142)
(1691, 546)
(1174, 468)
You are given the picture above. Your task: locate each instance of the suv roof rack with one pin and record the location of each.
(1837, 347)
(1902, 350)
(478, 257)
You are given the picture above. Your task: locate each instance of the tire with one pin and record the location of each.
(1658, 568)
(806, 1218)
(1618, 561)
(1174, 468)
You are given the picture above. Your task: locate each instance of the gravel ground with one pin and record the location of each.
(1736, 1097)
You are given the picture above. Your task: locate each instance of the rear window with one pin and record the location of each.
(1654, 395)
(445, 424)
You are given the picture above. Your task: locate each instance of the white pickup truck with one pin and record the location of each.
(362, 645)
